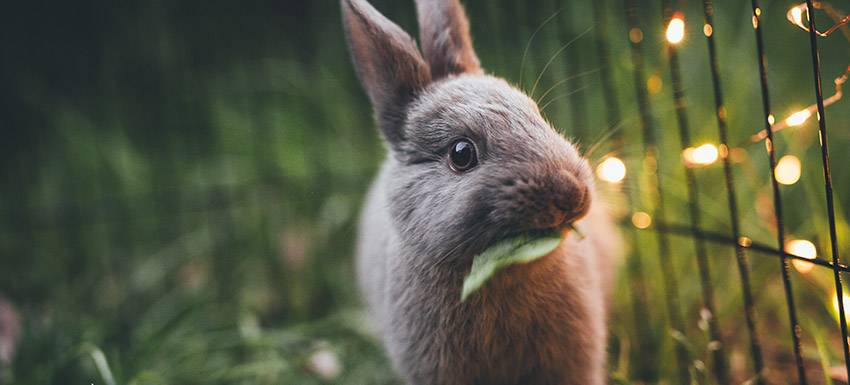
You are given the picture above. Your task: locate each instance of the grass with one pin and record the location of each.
(182, 184)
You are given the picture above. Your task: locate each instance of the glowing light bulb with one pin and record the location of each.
(788, 170)
(700, 156)
(676, 29)
(798, 118)
(795, 16)
(611, 170)
(802, 248)
(641, 220)
(707, 30)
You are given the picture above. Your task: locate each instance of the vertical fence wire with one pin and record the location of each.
(734, 217)
(796, 330)
(643, 344)
(827, 177)
(721, 371)
(671, 286)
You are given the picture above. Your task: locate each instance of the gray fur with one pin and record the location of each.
(444, 33)
(537, 323)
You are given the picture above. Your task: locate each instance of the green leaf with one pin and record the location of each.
(522, 249)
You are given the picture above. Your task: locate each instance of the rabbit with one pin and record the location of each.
(471, 161)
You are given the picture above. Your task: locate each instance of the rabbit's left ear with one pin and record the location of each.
(444, 35)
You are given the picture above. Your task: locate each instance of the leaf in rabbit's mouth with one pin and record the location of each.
(521, 249)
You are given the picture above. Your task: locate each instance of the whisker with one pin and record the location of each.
(555, 55)
(531, 39)
(562, 81)
(556, 97)
(605, 135)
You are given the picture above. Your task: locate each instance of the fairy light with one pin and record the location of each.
(611, 170)
(756, 18)
(707, 30)
(798, 118)
(701, 156)
(788, 170)
(641, 220)
(795, 16)
(676, 29)
(798, 15)
(802, 248)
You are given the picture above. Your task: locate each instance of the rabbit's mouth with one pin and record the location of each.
(562, 230)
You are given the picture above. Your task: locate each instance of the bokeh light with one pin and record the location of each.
(654, 84)
(795, 16)
(788, 170)
(676, 29)
(635, 35)
(802, 248)
(798, 118)
(611, 170)
(703, 155)
(641, 220)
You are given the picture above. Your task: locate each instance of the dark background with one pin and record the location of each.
(181, 182)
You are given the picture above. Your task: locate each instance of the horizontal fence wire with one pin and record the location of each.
(647, 128)
(721, 371)
(734, 217)
(746, 243)
(827, 178)
(796, 330)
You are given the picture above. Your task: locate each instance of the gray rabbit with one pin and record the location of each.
(471, 162)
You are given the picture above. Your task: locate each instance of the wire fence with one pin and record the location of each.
(673, 20)
(252, 173)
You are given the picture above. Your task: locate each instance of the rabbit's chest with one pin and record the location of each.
(533, 324)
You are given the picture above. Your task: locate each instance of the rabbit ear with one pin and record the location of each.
(387, 62)
(444, 34)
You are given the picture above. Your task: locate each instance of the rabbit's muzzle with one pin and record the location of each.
(551, 200)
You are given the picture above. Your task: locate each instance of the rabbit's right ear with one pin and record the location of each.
(387, 61)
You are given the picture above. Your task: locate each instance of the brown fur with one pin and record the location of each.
(537, 323)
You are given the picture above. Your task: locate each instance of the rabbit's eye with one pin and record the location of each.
(462, 155)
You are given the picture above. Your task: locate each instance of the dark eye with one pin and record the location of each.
(462, 155)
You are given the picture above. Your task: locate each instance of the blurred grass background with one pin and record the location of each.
(181, 182)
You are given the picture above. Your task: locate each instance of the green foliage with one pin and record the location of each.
(521, 249)
(181, 184)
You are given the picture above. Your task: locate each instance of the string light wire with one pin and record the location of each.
(801, 116)
(795, 16)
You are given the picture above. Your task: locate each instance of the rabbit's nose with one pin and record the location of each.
(566, 200)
